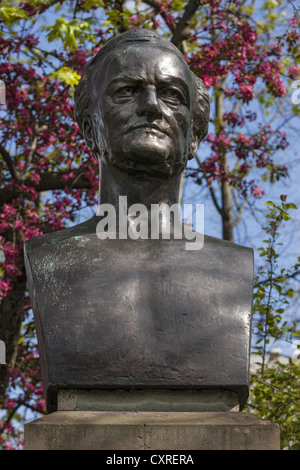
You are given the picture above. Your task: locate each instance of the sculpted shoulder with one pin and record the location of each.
(86, 228)
(220, 243)
(235, 260)
(82, 239)
(216, 245)
(89, 228)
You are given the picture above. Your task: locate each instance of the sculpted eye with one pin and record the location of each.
(125, 92)
(172, 95)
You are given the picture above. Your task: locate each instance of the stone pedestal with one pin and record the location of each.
(150, 430)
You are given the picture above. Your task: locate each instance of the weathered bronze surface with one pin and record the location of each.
(136, 314)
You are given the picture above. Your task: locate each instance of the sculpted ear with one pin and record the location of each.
(200, 120)
(194, 144)
(88, 134)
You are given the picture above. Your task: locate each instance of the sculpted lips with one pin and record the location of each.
(148, 126)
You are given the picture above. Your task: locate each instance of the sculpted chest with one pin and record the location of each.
(141, 313)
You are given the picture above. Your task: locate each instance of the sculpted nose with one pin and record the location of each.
(149, 104)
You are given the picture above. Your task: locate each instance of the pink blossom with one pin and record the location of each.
(279, 87)
(229, 92)
(294, 71)
(133, 19)
(156, 23)
(257, 192)
(242, 139)
(224, 141)
(39, 390)
(241, 153)
(8, 446)
(244, 167)
(8, 427)
(12, 270)
(209, 81)
(20, 165)
(8, 210)
(10, 404)
(234, 118)
(5, 286)
(19, 225)
(30, 387)
(294, 22)
(246, 92)
(33, 355)
(4, 226)
(40, 405)
(35, 177)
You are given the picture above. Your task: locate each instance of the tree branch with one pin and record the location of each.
(156, 6)
(212, 193)
(278, 278)
(9, 162)
(119, 7)
(239, 209)
(182, 30)
(50, 182)
(33, 146)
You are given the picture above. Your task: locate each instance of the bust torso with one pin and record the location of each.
(140, 313)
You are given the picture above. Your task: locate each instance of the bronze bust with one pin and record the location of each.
(140, 314)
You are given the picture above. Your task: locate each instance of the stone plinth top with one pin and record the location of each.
(147, 400)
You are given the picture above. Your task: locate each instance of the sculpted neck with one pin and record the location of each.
(163, 193)
(138, 189)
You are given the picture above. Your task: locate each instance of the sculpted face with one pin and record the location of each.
(145, 98)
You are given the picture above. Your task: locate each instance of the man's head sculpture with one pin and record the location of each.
(139, 107)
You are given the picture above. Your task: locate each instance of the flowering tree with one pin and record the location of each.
(246, 54)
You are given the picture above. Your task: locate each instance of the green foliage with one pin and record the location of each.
(275, 384)
(10, 13)
(275, 397)
(116, 18)
(92, 4)
(70, 32)
(66, 75)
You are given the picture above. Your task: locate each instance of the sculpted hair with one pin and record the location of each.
(87, 106)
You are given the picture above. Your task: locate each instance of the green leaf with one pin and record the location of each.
(286, 216)
(270, 203)
(66, 75)
(10, 13)
(291, 205)
(69, 31)
(92, 4)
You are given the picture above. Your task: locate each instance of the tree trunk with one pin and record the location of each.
(227, 212)
(12, 306)
(11, 317)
